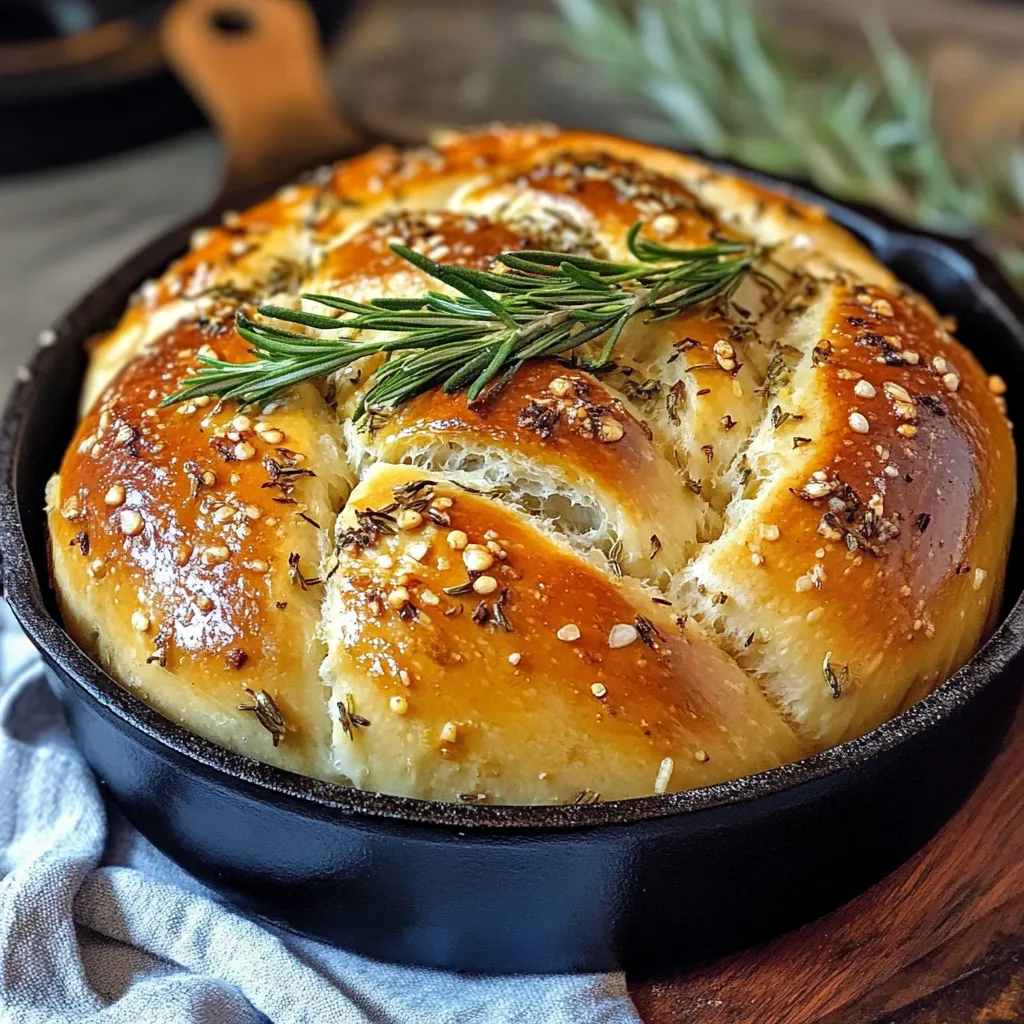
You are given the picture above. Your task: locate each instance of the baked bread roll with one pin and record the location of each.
(775, 519)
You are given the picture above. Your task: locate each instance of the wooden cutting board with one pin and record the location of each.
(940, 941)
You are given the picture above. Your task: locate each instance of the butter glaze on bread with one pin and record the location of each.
(772, 525)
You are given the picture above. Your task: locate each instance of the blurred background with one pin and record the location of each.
(917, 107)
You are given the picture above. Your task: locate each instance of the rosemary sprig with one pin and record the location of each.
(536, 304)
(725, 85)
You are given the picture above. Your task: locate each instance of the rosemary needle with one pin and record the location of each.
(537, 304)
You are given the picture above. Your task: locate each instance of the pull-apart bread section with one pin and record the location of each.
(495, 663)
(722, 539)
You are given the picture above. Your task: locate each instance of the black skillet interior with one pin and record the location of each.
(641, 882)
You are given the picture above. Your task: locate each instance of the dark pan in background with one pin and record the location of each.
(80, 79)
(637, 883)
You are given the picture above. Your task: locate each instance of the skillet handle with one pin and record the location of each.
(255, 67)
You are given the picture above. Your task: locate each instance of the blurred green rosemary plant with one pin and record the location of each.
(727, 88)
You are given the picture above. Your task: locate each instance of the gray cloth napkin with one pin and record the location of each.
(96, 925)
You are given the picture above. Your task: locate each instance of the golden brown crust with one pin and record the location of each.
(887, 529)
(484, 680)
(263, 248)
(172, 534)
(364, 264)
(814, 473)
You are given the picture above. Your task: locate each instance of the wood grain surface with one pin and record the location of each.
(271, 127)
(955, 908)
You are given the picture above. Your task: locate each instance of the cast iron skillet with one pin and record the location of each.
(636, 883)
(477, 888)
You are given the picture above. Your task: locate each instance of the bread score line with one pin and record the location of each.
(777, 521)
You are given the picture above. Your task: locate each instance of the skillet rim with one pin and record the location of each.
(23, 588)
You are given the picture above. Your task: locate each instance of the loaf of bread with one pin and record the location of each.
(775, 520)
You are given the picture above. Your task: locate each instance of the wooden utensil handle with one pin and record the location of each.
(255, 67)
